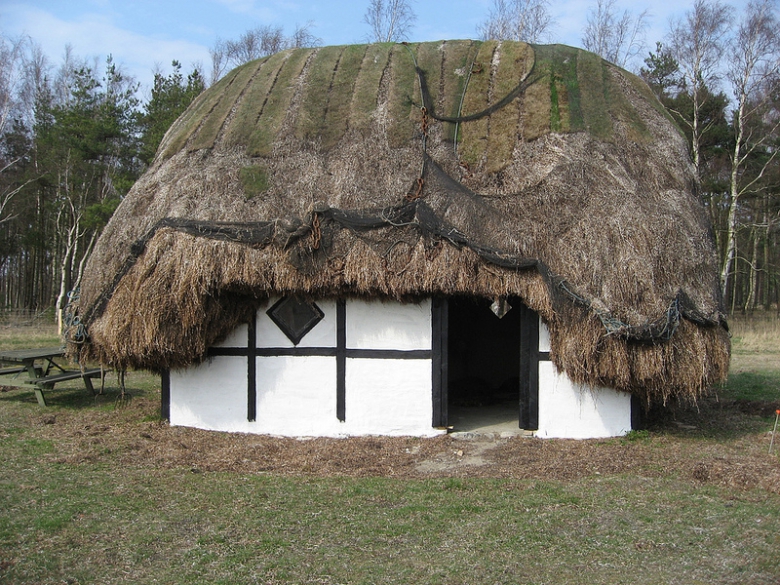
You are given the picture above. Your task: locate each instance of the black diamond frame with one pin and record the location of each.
(295, 317)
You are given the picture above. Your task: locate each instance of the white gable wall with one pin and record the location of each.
(572, 411)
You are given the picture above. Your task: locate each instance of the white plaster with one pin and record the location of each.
(573, 411)
(237, 338)
(211, 395)
(296, 396)
(322, 335)
(389, 397)
(544, 337)
(388, 325)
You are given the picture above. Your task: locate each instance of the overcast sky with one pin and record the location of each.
(144, 34)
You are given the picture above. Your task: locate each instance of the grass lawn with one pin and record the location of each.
(99, 490)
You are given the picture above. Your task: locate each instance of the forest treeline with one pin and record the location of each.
(74, 137)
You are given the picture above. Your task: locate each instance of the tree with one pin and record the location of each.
(617, 38)
(86, 150)
(170, 97)
(12, 66)
(517, 20)
(696, 42)
(390, 20)
(754, 70)
(662, 73)
(256, 43)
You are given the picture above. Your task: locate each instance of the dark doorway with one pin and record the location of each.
(483, 384)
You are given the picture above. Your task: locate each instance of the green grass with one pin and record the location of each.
(753, 386)
(755, 364)
(89, 495)
(85, 525)
(41, 335)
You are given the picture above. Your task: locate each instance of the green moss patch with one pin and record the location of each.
(215, 119)
(252, 106)
(515, 63)
(192, 118)
(342, 89)
(254, 180)
(457, 61)
(474, 134)
(277, 104)
(314, 102)
(403, 95)
(595, 95)
(366, 89)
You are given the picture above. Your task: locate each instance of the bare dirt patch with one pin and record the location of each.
(125, 436)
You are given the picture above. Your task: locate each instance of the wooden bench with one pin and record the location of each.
(48, 382)
(14, 370)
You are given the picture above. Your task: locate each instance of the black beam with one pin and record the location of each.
(165, 394)
(529, 369)
(251, 382)
(440, 362)
(341, 359)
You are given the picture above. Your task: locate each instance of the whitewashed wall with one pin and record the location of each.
(389, 396)
(573, 411)
(296, 395)
(211, 395)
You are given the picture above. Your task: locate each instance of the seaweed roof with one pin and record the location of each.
(408, 170)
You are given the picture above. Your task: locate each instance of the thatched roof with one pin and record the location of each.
(401, 171)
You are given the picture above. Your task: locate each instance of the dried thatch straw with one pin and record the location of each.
(402, 171)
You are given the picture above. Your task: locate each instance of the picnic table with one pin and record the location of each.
(43, 372)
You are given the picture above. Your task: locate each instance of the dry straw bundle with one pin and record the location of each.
(403, 171)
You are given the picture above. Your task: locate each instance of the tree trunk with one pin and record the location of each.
(731, 222)
(750, 299)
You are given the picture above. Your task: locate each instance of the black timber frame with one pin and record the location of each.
(165, 394)
(440, 374)
(529, 369)
(341, 352)
(530, 356)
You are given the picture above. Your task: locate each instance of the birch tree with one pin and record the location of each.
(517, 20)
(87, 149)
(754, 68)
(697, 42)
(390, 21)
(12, 66)
(618, 38)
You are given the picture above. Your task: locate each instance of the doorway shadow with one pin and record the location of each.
(483, 390)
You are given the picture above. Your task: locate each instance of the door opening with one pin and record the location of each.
(483, 385)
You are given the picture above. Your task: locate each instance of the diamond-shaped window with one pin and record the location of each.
(500, 307)
(295, 317)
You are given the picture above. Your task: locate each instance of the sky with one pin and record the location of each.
(146, 35)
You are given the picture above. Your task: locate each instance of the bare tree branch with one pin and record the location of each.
(618, 38)
(517, 20)
(390, 21)
(697, 43)
(256, 43)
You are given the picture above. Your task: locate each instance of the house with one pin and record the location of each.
(358, 239)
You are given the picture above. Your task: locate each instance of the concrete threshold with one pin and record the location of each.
(496, 421)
